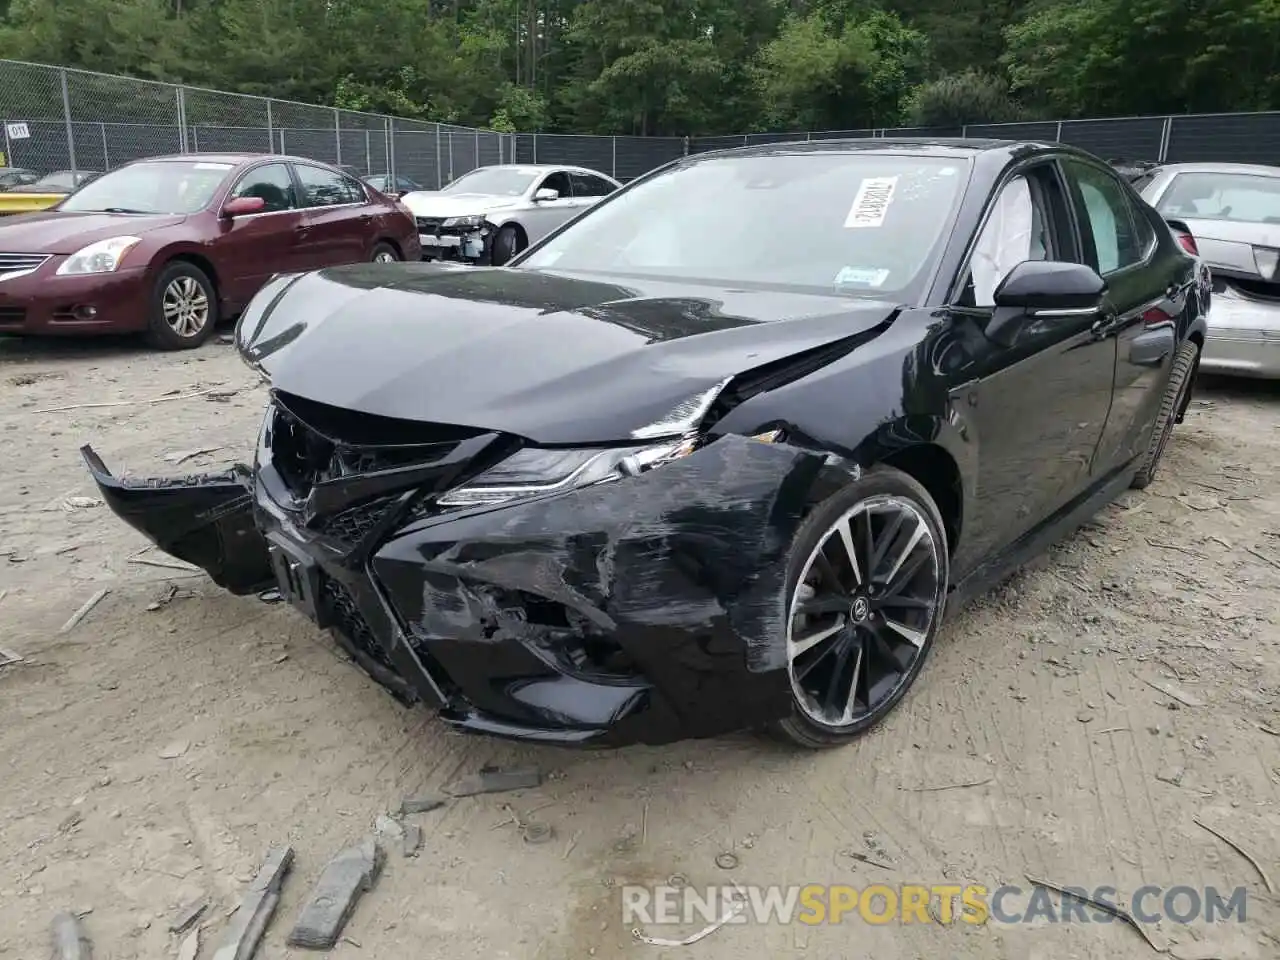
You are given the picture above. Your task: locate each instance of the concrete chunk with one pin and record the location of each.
(244, 931)
(333, 899)
(493, 780)
(70, 942)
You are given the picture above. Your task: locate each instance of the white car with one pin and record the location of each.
(492, 213)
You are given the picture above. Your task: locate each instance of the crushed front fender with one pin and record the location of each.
(206, 519)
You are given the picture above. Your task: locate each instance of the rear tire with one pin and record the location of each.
(1180, 376)
(507, 242)
(867, 588)
(184, 308)
(384, 253)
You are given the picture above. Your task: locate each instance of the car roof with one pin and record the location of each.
(936, 146)
(540, 167)
(232, 158)
(1258, 169)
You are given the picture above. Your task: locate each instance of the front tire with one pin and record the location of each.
(384, 253)
(1175, 395)
(507, 242)
(184, 308)
(867, 584)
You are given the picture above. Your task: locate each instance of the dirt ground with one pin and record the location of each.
(1035, 743)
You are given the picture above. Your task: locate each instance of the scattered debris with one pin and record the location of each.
(535, 831)
(166, 564)
(190, 947)
(125, 403)
(182, 456)
(421, 804)
(949, 786)
(1173, 776)
(737, 908)
(174, 750)
(70, 821)
(250, 919)
(389, 829)
(1115, 911)
(1266, 880)
(412, 842)
(8, 656)
(727, 861)
(271, 595)
(1262, 726)
(83, 612)
(171, 591)
(858, 855)
(1085, 716)
(494, 780)
(188, 914)
(333, 899)
(72, 504)
(70, 942)
(1262, 556)
(220, 396)
(1173, 693)
(1173, 546)
(568, 847)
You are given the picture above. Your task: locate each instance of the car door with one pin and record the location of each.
(545, 215)
(250, 248)
(1145, 296)
(340, 220)
(1037, 404)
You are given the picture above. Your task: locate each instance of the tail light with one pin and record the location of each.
(1187, 242)
(1155, 317)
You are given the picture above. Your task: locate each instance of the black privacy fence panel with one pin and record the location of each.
(57, 119)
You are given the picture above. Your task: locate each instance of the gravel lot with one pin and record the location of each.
(1035, 742)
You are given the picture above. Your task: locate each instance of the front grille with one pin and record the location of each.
(430, 224)
(12, 316)
(21, 262)
(348, 620)
(351, 526)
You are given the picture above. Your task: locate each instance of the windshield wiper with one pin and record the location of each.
(118, 210)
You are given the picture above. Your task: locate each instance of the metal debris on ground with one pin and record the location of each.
(1253, 861)
(1115, 911)
(739, 905)
(70, 942)
(188, 914)
(421, 804)
(727, 861)
(83, 612)
(333, 899)
(72, 504)
(494, 780)
(182, 456)
(249, 921)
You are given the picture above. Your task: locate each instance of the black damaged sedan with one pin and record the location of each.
(717, 454)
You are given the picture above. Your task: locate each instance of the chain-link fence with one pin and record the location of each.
(56, 119)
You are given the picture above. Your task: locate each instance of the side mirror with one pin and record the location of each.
(243, 206)
(546, 194)
(1044, 290)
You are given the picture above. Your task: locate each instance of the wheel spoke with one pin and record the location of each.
(833, 701)
(884, 542)
(805, 644)
(903, 602)
(918, 534)
(909, 570)
(846, 536)
(854, 682)
(913, 636)
(830, 603)
(827, 571)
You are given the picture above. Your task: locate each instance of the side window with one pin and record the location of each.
(558, 181)
(1108, 218)
(325, 188)
(585, 185)
(272, 184)
(1014, 232)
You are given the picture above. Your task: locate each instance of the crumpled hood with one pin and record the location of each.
(425, 203)
(551, 357)
(52, 232)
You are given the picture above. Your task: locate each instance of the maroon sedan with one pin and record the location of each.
(168, 246)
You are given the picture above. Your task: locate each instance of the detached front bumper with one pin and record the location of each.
(646, 610)
(467, 244)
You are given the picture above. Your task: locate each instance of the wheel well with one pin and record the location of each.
(1197, 338)
(524, 237)
(205, 267)
(390, 243)
(934, 469)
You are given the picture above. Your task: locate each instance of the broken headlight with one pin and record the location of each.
(472, 221)
(536, 472)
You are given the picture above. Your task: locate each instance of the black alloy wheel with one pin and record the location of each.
(868, 581)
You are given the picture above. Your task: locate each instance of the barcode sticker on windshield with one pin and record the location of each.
(872, 202)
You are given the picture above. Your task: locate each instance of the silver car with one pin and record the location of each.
(492, 213)
(1233, 212)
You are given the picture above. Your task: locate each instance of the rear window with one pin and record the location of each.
(850, 223)
(1236, 197)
